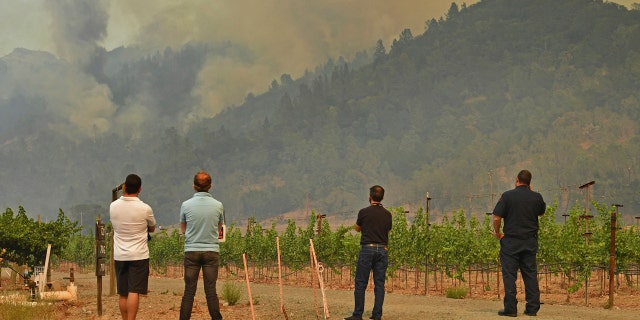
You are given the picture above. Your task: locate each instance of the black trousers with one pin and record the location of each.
(520, 254)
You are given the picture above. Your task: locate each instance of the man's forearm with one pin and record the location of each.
(497, 222)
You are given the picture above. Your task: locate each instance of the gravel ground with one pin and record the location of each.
(163, 302)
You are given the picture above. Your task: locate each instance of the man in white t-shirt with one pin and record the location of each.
(132, 220)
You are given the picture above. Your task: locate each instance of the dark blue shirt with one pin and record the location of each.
(520, 208)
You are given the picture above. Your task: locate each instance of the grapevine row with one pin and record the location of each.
(456, 244)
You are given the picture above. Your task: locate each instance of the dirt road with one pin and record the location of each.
(163, 302)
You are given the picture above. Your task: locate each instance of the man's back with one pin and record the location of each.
(130, 218)
(375, 222)
(202, 214)
(520, 208)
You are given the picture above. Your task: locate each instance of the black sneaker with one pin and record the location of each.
(353, 318)
(531, 314)
(505, 314)
(375, 318)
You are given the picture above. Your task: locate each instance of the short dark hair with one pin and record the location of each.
(524, 176)
(202, 181)
(132, 184)
(376, 193)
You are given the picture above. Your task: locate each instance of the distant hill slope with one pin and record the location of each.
(456, 111)
(493, 88)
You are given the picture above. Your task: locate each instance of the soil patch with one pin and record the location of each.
(163, 302)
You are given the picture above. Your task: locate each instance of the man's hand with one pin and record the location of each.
(498, 235)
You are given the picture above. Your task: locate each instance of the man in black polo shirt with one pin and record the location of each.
(374, 222)
(520, 209)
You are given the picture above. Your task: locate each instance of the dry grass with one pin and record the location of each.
(27, 310)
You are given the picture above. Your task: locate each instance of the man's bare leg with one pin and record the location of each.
(133, 301)
(129, 306)
(122, 303)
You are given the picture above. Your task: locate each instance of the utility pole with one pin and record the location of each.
(306, 205)
(491, 187)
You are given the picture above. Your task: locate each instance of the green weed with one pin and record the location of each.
(231, 292)
(27, 311)
(457, 292)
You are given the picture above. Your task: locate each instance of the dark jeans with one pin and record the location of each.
(520, 254)
(193, 262)
(374, 259)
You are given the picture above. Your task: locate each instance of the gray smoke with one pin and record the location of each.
(78, 29)
(282, 36)
(267, 38)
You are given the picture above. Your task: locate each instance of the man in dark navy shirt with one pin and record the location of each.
(374, 222)
(519, 208)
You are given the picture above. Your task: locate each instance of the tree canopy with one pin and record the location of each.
(456, 111)
(25, 240)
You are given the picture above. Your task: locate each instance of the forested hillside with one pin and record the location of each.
(454, 110)
(495, 87)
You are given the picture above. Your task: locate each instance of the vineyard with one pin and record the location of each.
(425, 258)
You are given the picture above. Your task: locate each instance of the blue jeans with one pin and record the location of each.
(194, 261)
(374, 259)
(520, 254)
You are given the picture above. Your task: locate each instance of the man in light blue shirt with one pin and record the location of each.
(201, 219)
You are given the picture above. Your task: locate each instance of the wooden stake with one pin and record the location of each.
(313, 283)
(280, 280)
(46, 269)
(246, 276)
(319, 270)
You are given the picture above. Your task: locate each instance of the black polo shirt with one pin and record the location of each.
(375, 224)
(520, 208)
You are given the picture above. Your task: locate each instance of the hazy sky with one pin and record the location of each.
(308, 31)
(282, 36)
(342, 25)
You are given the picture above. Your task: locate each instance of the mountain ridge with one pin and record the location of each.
(455, 111)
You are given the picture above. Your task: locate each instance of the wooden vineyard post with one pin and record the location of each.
(246, 276)
(318, 268)
(426, 259)
(587, 234)
(612, 254)
(101, 255)
(284, 311)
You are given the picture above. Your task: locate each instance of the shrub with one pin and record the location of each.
(231, 292)
(457, 292)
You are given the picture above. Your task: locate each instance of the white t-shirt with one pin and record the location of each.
(130, 218)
